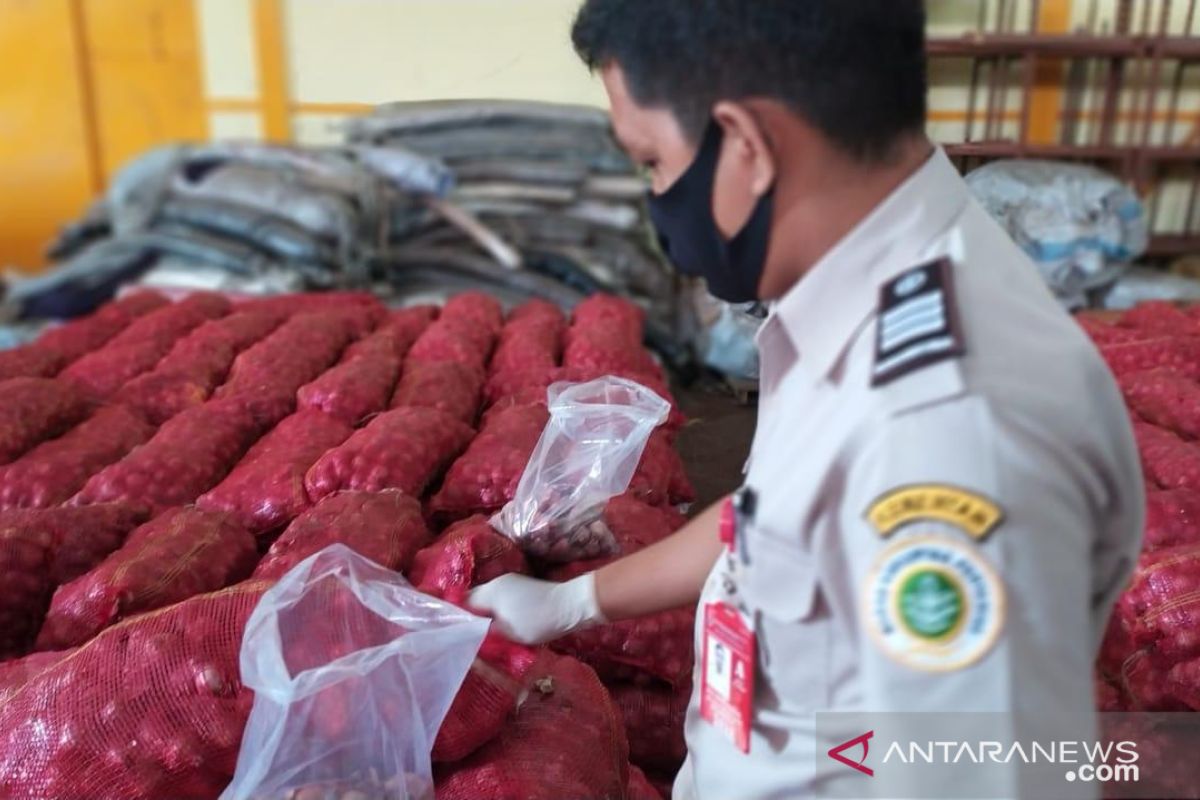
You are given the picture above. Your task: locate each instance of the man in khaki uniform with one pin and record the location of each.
(943, 497)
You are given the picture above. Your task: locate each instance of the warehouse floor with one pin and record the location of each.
(716, 441)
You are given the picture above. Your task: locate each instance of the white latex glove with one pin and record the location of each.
(530, 611)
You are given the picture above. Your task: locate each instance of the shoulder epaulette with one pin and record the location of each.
(917, 322)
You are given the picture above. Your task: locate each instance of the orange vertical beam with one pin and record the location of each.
(87, 96)
(273, 86)
(1045, 101)
(145, 73)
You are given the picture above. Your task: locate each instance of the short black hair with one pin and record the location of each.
(854, 69)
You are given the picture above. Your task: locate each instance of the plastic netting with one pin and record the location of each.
(178, 555)
(143, 344)
(445, 385)
(361, 383)
(1177, 354)
(373, 458)
(1167, 460)
(196, 365)
(487, 698)
(654, 718)
(1172, 518)
(266, 488)
(55, 470)
(73, 339)
(565, 741)
(485, 477)
(386, 527)
(470, 553)
(165, 690)
(36, 409)
(186, 457)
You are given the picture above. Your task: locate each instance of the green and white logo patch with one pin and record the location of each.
(933, 604)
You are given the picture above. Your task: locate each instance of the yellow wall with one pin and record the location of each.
(101, 80)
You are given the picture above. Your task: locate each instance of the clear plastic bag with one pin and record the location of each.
(586, 455)
(353, 671)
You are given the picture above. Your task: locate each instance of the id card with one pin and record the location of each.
(727, 677)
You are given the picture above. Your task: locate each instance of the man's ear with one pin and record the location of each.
(746, 140)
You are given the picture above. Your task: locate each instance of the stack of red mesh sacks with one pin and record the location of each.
(485, 477)
(1150, 659)
(645, 663)
(527, 723)
(251, 415)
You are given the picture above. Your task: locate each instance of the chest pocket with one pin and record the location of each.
(781, 588)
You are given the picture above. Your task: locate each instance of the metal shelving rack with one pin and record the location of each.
(1105, 66)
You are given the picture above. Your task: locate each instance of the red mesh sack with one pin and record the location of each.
(1167, 460)
(403, 449)
(35, 409)
(143, 344)
(519, 387)
(267, 376)
(640, 787)
(1172, 518)
(53, 471)
(565, 741)
(73, 339)
(1102, 332)
(476, 309)
(1159, 317)
(601, 349)
(1144, 680)
(530, 340)
(150, 709)
(446, 385)
(188, 455)
(361, 384)
(1162, 604)
(43, 549)
(485, 477)
(183, 553)
(486, 699)
(445, 340)
(386, 527)
(654, 717)
(364, 307)
(1166, 399)
(24, 554)
(410, 323)
(661, 478)
(607, 308)
(470, 553)
(266, 489)
(30, 361)
(17, 672)
(196, 365)
(1109, 696)
(1177, 354)
(657, 646)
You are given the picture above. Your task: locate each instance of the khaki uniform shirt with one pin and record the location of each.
(948, 496)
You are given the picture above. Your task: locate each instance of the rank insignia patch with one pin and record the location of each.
(917, 324)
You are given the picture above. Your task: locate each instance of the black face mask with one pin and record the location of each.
(689, 236)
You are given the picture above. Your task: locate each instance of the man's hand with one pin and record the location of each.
(530, 611)
(665, 575)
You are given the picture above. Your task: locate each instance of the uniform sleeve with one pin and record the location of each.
(970, 545)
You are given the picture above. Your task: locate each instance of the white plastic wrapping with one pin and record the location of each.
(1075, 221)
(353, 671)
(586, 455)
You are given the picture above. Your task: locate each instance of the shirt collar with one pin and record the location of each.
(821, 313)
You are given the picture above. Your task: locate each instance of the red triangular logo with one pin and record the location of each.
(864, 740)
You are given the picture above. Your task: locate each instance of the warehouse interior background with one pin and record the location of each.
(99, 81)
